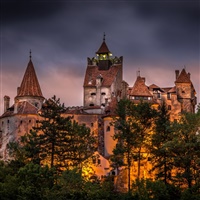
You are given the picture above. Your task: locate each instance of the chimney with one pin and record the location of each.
(177, 73)
(18, 89)
(6, 103)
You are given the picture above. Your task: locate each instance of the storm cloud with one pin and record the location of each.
(155, 37)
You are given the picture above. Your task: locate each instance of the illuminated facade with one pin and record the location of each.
(103, 87)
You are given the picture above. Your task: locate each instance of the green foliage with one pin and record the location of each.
(146, 189)
(8, 182)
(57, 141)
(34, 180)
(133, 126)
(160, 153)
(185, 150)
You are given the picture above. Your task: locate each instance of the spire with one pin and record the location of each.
(104, 35)
(30, 54)
(30, 85)
(103, 48)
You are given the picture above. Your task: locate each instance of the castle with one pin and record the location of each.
(103, 88)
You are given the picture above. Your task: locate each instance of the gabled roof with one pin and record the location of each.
(108, 76)
(23, 107)
(139, 88)
(183, 77)
(30, 85)
(26, 108)
(103, 49)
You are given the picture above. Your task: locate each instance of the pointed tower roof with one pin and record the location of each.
(103, 48)
(30, 85)
(139, 88)
(183, 77)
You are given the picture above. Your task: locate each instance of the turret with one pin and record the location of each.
(103, 56)
(29, 89)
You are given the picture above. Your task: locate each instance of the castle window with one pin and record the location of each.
(91, 104)
(108, 128)
(21, 122)
(36, 104)
(103, 93)
(2, 123)
(169, 107)
(29, 120)
(99, 161)
(92, 124)
(8, 121)
(168, 96)
(93, 94)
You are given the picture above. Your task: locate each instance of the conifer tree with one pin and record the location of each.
(133, 125)
(160, 154)
(57, 141)
(185, 150)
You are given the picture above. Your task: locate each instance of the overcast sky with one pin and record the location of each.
(155, 37)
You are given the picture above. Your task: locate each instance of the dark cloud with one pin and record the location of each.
(14, 11)
(155, 36)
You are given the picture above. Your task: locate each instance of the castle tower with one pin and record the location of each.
(185, 91)
(103, 78)
(29, 89)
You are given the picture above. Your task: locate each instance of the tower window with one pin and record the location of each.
(108, 128)
(8, 121)
(99, 161)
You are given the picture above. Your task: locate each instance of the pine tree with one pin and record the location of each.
(133, 125)
(160, 155)
(57, 141)
(185, 149)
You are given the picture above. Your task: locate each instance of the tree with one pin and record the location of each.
(133, 125)
(57, 141)
(185, 149)
(160, 155)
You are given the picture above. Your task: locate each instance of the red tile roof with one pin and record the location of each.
(30, 85)
(139, 88)
(108, 76)
(26, 108)
(103, 48)
(183, 77)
